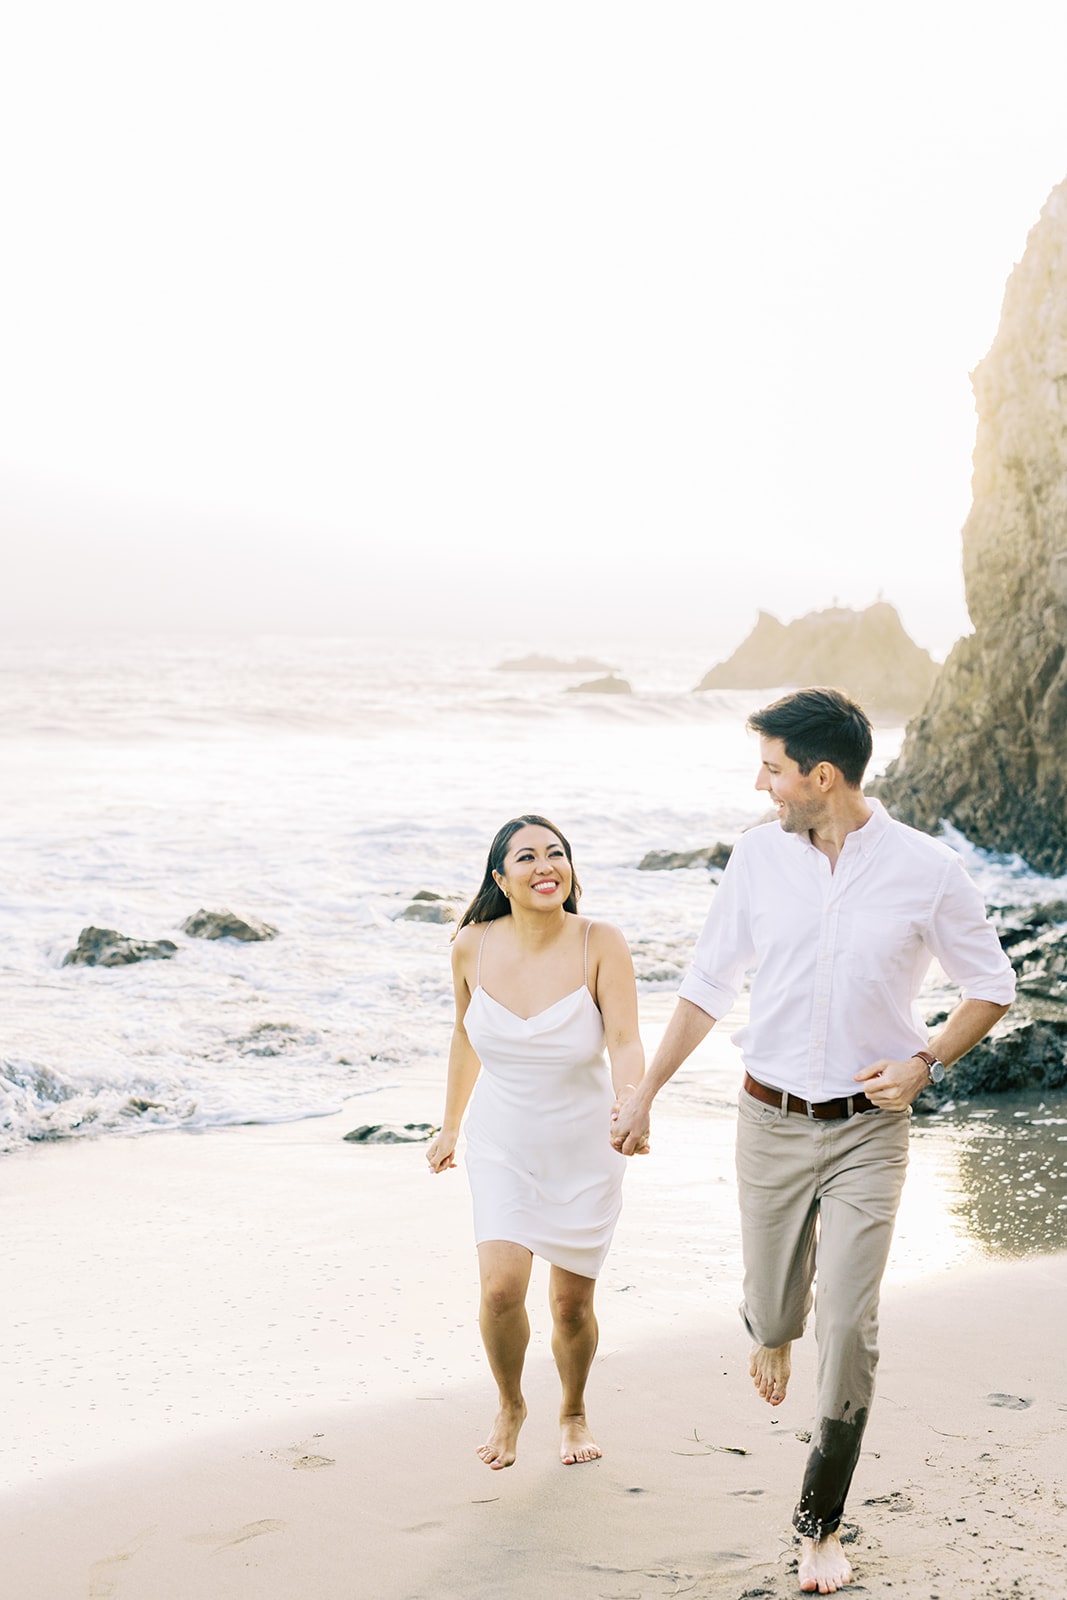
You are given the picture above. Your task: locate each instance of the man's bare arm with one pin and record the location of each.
(687, 1027)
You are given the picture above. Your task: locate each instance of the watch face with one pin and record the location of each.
(937, 1071)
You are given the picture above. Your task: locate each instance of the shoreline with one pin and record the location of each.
(245, 1365)
(166, 1286)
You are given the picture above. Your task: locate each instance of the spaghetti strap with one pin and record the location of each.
(585, 956)
(481, 944)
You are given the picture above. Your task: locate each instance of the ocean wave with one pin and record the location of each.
(1005, 880)
(41, 1103)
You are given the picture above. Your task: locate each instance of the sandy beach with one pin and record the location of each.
(246, 1364)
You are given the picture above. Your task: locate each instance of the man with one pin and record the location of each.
(839, 910)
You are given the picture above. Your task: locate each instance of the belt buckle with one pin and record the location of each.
(811, 1110)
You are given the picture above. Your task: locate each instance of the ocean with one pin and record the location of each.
(318, 784)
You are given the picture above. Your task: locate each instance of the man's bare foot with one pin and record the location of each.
(823, 1567)
(770, 1373)
(499, 1449)
(576, 1443)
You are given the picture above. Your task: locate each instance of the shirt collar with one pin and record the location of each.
(874, 827)
(867, 837)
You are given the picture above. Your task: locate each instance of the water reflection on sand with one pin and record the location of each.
(1002, 1164)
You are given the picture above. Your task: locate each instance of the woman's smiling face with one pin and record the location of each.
(536, 870)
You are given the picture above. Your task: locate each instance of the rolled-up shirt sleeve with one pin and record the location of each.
(724, 951)
(965, 942)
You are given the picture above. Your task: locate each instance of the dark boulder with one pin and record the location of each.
(712, 855)
(225, 925)
(427, 911)
(104, 947)
(1027, 1050)
(1022, 1054)
(383, 1133)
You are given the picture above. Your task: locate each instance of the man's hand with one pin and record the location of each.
(893, 1085)
(629, 1127)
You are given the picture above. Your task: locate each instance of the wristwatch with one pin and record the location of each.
(934, 1067)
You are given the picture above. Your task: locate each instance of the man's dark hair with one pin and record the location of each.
(819, 725)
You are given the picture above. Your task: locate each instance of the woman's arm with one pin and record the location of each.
(616, 996)
(463, 1066)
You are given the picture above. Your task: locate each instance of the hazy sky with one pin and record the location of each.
(556, 322)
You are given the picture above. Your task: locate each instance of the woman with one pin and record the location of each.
(539, 992)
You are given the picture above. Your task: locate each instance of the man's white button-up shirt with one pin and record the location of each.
(839, 956)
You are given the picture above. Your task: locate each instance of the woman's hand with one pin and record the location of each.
(642, 1148)
(442, 1151)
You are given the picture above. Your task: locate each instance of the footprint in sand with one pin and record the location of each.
(301, 1459)
(251, 1530)
(101, 1581)
(896, 1501)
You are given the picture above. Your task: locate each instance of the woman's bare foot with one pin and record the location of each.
(823, 1567)
(770, 1373)
(499, 1449)
(576, 1443)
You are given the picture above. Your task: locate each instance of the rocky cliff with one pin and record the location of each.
(866, 653)
(989, 752)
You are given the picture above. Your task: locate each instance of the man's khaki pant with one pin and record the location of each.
(819, 1199)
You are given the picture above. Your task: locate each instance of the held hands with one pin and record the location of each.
(893, 1085)
(441, 1153)
(629, 1126)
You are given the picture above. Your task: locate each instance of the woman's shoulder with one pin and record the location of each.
(603, 937)
(468, 938)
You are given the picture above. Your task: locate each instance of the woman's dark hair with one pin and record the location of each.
(819, 725)
(491, 902)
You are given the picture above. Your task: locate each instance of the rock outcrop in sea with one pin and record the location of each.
(865, 653)
(428, 911)
(609, 685)
(989, 752)
(105, 947)
(709, 855)
(226, 925)
(386, 1133)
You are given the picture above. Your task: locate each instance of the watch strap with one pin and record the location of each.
(931, 1062)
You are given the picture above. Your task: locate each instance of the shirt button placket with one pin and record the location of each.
(824, 968)
(824, 974)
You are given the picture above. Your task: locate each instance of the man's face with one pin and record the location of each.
(798, 800)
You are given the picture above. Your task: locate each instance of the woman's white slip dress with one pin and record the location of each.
(542, 1172)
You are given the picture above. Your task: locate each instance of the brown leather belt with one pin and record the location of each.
(821, 1110)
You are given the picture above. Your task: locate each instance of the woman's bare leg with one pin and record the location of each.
(574, 1342)
(505, 1274)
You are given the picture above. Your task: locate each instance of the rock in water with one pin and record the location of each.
(989, 752)
(609, 685)
(104, 947)
(427, 911)
(712, 855)
(382, 1133)
(224, 925)
(865, 653)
